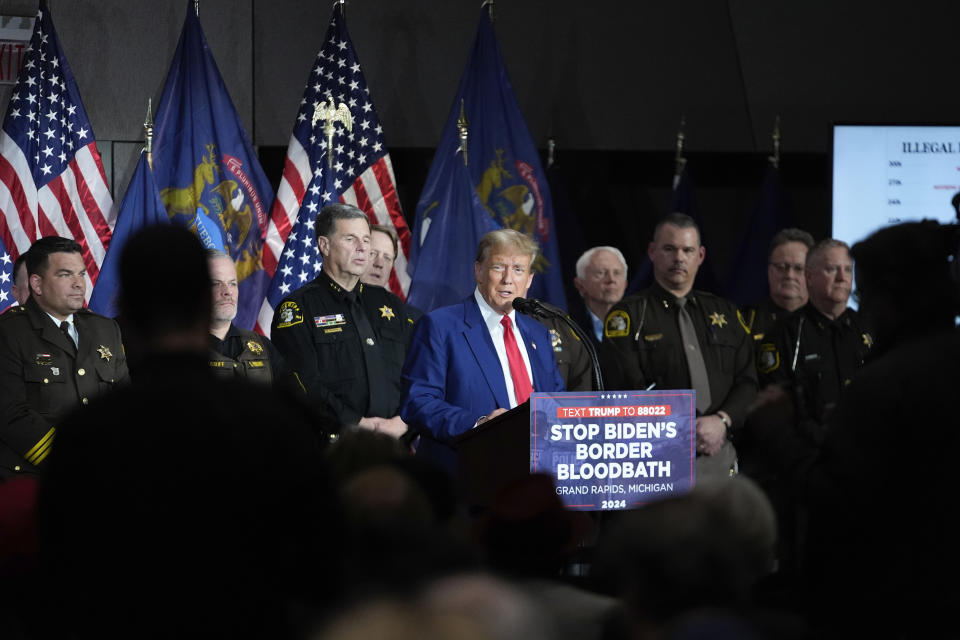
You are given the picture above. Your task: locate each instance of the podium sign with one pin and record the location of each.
(611, 450)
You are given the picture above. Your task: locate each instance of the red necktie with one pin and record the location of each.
(518, 371)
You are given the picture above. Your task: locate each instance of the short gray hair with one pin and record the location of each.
(824, 245)
(333, 212)
(584, 260)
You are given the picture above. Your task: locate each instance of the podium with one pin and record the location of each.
(493, 455)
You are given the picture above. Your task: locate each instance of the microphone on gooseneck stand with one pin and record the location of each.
(540, 309)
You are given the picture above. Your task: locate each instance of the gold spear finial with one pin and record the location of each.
(775, 158)
(330, 113)
(148, 130)
(463, 130)
(679, 160)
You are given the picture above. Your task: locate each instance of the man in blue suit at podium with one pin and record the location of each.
(474, 360)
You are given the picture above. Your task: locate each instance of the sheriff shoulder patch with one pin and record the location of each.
(769, 358)
(617, 324)
(289, 315)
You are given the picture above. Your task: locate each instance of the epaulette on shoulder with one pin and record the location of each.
(13, 311)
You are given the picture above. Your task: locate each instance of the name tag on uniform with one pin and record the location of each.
(329, 321)
(256, 364)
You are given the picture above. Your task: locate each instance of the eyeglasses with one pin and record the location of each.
(786, 267)
(603, 274)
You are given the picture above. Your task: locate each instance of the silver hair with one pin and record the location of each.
(584, 260)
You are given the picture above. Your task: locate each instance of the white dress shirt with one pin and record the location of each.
(492, 320)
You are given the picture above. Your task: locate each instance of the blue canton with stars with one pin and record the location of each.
(6, 277)
(46, 117)
(336, 73)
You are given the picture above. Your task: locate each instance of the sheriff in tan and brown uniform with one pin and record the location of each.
(54, 356)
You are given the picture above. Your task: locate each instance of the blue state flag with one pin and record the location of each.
(747, 283)
(203, 159)
(504, 165)
(141, 207)
(444, 268)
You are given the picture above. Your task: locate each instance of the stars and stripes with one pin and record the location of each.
(6, 277)
(362, 174)
(51, 177)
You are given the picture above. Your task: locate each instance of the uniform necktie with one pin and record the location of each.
(518, 370)
(65, 327)
(695, 363)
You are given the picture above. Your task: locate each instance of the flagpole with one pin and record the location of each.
(775, 158)
(343, 7)
(551, 150)
(148, 130)
(463, 131)
(196, 7)
(679, 161)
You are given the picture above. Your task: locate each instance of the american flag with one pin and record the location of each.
(51, 177)
(6, 277)
(362, 174)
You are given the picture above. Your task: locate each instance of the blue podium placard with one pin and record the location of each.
(611, 450)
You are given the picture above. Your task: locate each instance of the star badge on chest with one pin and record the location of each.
(386, 312)
(717, 319)
(104, 352)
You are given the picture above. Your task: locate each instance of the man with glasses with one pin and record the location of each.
(788, 289)
(819, 348)
(601, 281)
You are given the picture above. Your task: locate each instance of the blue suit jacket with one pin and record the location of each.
(452, 375)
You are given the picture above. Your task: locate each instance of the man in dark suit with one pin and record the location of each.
(54, 355)
(474, 360)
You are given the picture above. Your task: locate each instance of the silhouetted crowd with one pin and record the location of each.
(193, 479)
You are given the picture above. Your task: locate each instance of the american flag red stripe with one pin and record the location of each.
(293, 186)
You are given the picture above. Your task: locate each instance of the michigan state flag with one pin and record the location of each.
(206, 168)
(141, 207)
(503, 163)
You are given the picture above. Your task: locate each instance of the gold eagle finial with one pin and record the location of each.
(330, 113)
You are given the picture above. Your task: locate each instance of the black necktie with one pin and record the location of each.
(65, 327)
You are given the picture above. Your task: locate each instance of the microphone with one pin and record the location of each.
(540, 309)
(537, 308)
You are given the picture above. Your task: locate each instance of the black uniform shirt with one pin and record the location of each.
(828, 354)
(347, 347)
(247, 355)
